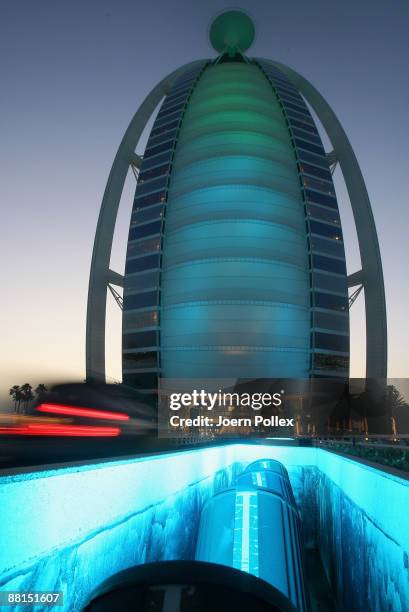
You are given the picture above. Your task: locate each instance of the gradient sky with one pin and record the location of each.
(73, 74)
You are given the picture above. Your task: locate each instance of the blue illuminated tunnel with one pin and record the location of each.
(70, 528)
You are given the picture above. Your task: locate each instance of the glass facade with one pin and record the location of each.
(328, 280)
(141, 304)
(235, 298)
(235, 263)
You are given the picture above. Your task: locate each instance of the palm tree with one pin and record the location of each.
(17, 396)
(27, 394)
(398, 409)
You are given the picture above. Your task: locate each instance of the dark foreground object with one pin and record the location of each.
(186, 586)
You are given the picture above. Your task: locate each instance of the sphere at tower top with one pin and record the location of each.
(232, 32)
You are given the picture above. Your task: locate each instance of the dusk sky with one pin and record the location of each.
(72, 76)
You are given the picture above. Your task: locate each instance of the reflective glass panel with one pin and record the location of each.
(329, 320)
(321, 198)
(140, 300)
(142, 263)
(332, 247)
(141, 282)
(331, 342)
(302, 144)
(148, 229)
(318, 172)
(323, 229)
(140, 339)
(140, 319)
(147, 214)
(333, 302)
(319, 185)
(330, 282)
(326, 214)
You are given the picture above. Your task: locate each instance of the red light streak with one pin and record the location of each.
(83, 412)
(37, 429)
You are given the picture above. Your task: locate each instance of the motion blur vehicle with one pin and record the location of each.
(120, 409)
(85, 409)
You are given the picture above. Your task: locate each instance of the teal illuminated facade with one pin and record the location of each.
(235, 263)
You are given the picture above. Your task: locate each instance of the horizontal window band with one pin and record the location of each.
(147, 229)
(166, 114)
(152, 215)
(331, 302)
(332, 232)
(320, 310)
(331, 342)
(285, 89)
(296, 103)
(184, 82)
(303, 111)
(315, 184)
(292, 114)
(330, 322)
(151, 186)
(314, 171)
(144, 246)
(155, 141)
(285, 305)
(327, 264)
(179, 90)
(312, 148)
(157, 160)
(137, 360)
(146, 329)
(152, 173)
(309, 136)
(141, 300)
(311, 158)
(330, 331)
(158, 197)
(166, 127)
(174, 99)
(289, 94)
(140, 339)
(166, 146)
(328, 249)
(132, 352)
(324, 281)
(296, 123)
(168, 119)
(278, 77)
(149, 262)
(320, 198)
(147, 318)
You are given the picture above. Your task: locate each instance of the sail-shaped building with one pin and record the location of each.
(235, 262)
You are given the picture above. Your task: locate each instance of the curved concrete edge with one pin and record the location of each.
(372, 274)
(99, 272)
